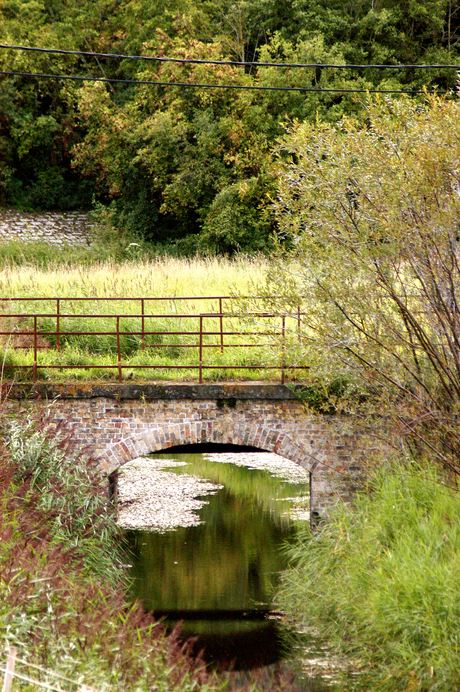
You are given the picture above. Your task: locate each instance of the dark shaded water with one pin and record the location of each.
(218, 578)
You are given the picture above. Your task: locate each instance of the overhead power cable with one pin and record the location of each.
(240, 87)
(234, 63)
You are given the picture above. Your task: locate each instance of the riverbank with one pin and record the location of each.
(380, 584)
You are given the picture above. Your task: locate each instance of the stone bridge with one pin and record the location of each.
(115, 423)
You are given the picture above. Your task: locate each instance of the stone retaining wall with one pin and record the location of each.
(54, 228)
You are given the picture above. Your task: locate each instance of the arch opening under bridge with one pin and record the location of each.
(160, 438)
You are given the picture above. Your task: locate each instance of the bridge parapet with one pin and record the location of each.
(117, 423)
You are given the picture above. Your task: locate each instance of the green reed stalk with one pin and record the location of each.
(381, 583)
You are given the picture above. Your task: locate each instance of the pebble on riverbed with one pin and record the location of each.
(153, 499)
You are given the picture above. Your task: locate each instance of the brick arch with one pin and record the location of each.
(162, 437)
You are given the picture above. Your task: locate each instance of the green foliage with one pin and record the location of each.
(37, 119)
(196, 163)
(170, 163)
(371, 214)
(180, 163)
(234, 222)
(387, 32)
(324, 397)
(69, 492)
(380, 582)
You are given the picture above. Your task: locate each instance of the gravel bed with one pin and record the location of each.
(151, 498)
(55, 228)
(156, 500)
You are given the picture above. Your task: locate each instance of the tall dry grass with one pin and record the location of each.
(162, 276)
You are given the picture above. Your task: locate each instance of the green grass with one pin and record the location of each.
(381, 583)
(157, 355)
(139, 366)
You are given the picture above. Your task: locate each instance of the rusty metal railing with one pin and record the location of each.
(24, 326)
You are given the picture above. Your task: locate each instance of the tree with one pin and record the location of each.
(388, 32)
(192, 188)
(371, 216)
(37, 116)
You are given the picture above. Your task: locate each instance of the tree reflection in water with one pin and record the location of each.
(218, 578)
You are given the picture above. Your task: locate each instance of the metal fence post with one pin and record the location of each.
(119, 349)
(221, 326)
(283, 345)
(143, 323)
(201, 350)
(58, 336)
(35, 349)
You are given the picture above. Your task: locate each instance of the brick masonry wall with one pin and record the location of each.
(117, 423)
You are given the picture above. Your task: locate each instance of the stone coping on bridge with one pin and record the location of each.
(225, 391)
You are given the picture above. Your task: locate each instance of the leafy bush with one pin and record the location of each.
(372, 213)
(234, 222)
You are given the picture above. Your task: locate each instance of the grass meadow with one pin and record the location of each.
(153, 342)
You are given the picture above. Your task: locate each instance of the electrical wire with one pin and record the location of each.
(234, 63)
(221, 86)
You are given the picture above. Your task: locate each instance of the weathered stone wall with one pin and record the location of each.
(117, 423)
(55, 228)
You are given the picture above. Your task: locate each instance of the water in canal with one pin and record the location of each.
(206, 532)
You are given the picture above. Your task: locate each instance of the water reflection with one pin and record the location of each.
(218, 577)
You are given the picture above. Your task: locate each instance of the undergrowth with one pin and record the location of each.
(63, 579)
(381, 584)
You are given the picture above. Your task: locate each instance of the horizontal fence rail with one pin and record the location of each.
(148, 335)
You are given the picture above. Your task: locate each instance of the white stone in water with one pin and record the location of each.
(149, 498)
(153, 499)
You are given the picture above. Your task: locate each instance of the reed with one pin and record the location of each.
(381, 581)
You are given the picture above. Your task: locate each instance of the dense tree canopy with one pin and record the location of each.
(188, 166)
